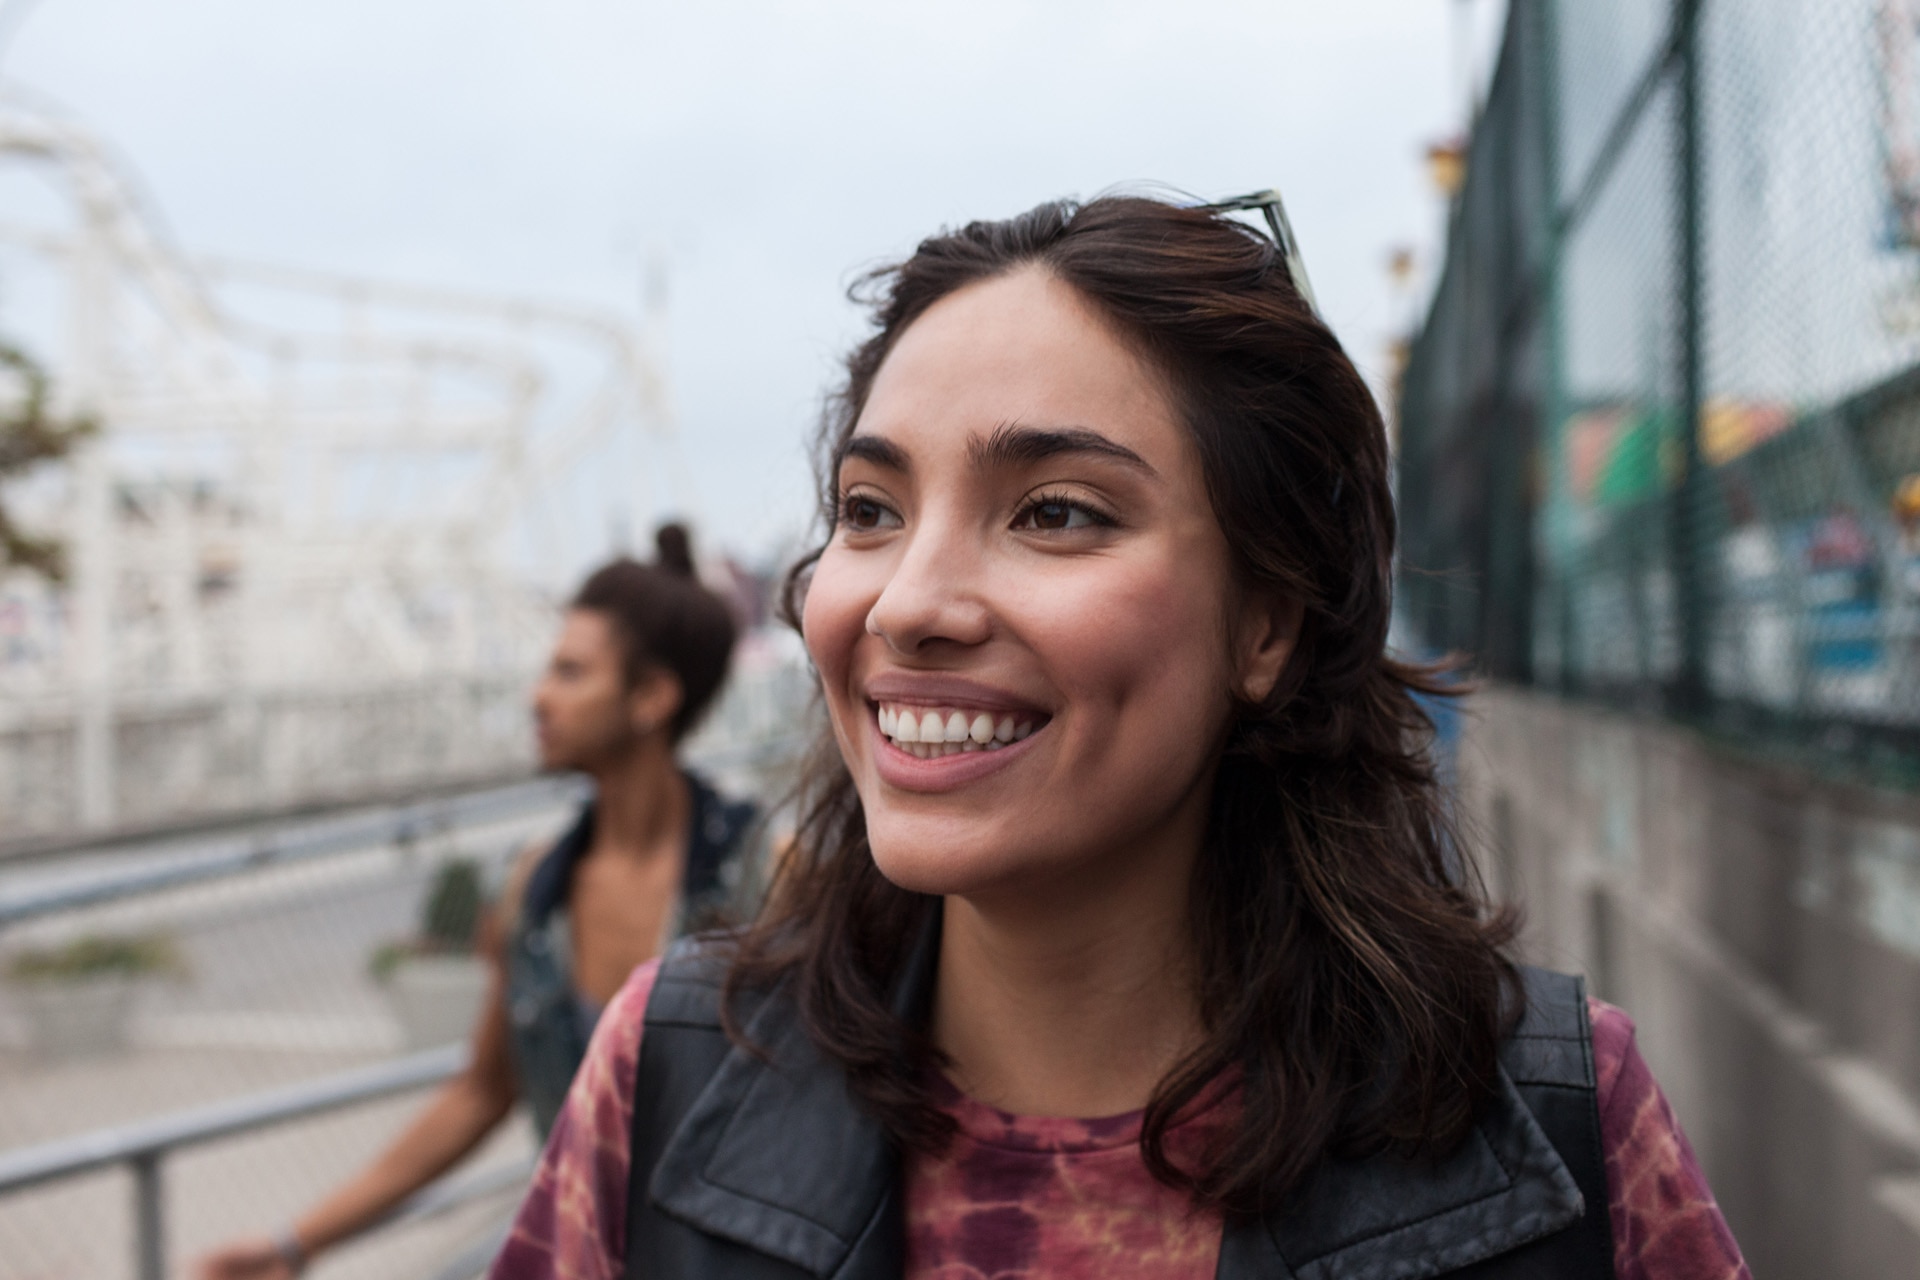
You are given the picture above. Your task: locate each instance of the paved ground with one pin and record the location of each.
(278, 992)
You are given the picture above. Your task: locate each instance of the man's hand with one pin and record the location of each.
(257, 1259)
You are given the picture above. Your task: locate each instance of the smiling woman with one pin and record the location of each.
(1124, 933)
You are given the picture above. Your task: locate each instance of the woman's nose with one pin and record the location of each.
(933, 595)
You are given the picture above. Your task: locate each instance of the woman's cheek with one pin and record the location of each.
(827, 615)
(831, 623)
(1146, 665)
(1127, 628)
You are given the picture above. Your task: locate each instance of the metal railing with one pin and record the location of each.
(144, 1147)
(285, 844)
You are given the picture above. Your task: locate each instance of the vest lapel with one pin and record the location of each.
(1390, 1219)
(777, 1155)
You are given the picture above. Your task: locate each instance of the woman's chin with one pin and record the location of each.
(925, 873)
(946, 868)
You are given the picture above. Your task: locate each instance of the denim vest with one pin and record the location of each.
(548, 1019)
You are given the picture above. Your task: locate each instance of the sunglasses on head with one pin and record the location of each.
(1269, 205)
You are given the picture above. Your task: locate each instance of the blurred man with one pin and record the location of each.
(642, 651)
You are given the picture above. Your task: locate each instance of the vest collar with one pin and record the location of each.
(713, 828)
(776, 1154)
(1386, 1218)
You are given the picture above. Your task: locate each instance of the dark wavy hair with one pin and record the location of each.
(1349, 969)
(666, 618)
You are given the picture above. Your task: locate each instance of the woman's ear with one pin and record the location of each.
(654, 701)
(1268, 631)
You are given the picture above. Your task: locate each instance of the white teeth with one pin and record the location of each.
(937, 732)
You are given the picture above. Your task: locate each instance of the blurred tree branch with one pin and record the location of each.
(29, 436)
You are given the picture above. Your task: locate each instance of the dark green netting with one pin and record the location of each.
(1660, 432)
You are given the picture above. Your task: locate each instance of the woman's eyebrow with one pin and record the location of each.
(877, 450)
(1013, 444)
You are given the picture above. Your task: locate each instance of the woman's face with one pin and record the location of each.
(1025, 619)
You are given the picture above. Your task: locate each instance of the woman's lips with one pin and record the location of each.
(984, 742)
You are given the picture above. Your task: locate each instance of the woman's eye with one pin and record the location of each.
(864, 514)
(1056, 514)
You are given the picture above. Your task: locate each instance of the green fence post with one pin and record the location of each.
(1684, 544)
(1548, 461)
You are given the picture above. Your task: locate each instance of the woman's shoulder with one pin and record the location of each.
(628, 1008)
(690, 977)
(1550, 1040)
(1613, 1044)
(572, 1222)
(1666, 1221)
(613, 1056)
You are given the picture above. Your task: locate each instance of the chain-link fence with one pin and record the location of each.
(1660, 435)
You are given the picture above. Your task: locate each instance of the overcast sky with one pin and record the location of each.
(764, 151)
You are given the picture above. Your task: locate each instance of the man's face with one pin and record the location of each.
(581, 707)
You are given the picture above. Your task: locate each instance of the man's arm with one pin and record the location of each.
(455, 1121)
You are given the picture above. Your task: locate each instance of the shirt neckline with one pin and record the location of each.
(1062, 1135)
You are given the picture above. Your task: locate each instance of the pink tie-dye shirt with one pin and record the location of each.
(1020, 1197)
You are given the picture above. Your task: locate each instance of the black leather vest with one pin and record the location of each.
(752, 1169)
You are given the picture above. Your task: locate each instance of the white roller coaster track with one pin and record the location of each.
(284, 515)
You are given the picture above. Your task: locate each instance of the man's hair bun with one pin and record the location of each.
(666, 619)
(673, 548)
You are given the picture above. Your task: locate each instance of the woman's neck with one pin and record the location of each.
(1070, 1002)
